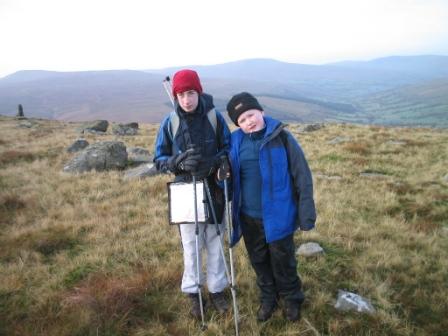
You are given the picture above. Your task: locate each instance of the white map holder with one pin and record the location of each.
(181, 203)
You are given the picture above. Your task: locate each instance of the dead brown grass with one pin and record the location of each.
(93, 255)
(104, 296)
(14, 156)
(358, 148)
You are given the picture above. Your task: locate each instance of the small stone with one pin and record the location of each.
(26, 124)
(309, 249)
(350, 301)
(338, 140)
(311, 127)
(327, 177)
(373, 174)
(396, 142)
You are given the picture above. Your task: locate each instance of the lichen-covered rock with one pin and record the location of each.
(144, 170)
(78, 145)
(95, 127)
(138, 155)
(106, 155)
(121, 129)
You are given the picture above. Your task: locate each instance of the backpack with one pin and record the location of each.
(174, 122)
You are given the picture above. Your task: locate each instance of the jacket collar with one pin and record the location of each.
(273, 128)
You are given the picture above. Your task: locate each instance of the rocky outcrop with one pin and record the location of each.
(138, 155)
(95, 127)
(78, 145)
(144, 170)
(121, 129)
(100, 156)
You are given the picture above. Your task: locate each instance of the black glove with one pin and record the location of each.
(205, 168)
(191, 162)
(186, 161)
(224, 169)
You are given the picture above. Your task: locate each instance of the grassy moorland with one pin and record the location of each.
(93, 254)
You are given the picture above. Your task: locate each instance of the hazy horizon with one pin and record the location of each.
(101, 35)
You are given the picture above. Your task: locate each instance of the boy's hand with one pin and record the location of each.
(224, 169)
(186, 161)
(205, 168)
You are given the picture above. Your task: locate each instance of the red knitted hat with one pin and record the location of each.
(185, 80)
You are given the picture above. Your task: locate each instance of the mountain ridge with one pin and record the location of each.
(333, 91)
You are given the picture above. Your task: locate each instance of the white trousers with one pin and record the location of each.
(208, 241)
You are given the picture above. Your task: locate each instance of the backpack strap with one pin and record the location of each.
(283, 137)
(174, 122)
(211, 115)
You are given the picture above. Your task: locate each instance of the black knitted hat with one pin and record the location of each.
(241, 103)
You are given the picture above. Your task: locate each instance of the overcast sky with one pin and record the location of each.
(72, 35)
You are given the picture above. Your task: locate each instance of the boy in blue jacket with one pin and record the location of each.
(272, 197)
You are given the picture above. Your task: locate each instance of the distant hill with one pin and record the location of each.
(344, 91)
(422, 104)
(421, 67)
(114, 95)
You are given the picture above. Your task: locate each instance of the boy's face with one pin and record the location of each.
(251, 121)
(188, 100)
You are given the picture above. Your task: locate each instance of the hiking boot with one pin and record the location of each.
(219, 302)
(266, 310)
(292, 311)
(195, 309)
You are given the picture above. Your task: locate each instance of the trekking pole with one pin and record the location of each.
(218, 231)
(167, 86)
(198, 272)
(229, 235)
(230, 277)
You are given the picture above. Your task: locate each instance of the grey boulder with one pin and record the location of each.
(101, 156)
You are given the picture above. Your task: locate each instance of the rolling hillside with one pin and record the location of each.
(425, 104)
(396, 90)
(93, 254)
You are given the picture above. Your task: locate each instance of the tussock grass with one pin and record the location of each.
(14, 156)
(92, 254)
(358, 148)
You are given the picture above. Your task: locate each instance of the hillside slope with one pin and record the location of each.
(424, 104)
(346, 91)
(93, 254)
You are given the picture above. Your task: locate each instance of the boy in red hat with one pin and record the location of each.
(194, 146)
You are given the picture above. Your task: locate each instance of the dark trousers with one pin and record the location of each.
(275, 264)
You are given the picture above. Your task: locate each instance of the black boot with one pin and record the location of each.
(292, 311)
(195, 309)
(266, 310)
(219, 302)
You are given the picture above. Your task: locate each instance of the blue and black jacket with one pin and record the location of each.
(194, 129)
(287, 185)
